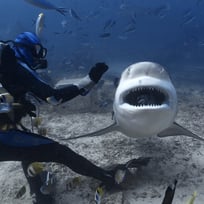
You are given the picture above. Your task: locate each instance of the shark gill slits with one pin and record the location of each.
(145, 97)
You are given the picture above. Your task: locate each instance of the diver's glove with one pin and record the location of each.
(97, 71)
(88, 82)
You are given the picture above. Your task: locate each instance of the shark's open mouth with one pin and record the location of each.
(145, 96)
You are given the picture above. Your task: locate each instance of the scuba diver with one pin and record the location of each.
(19, 60)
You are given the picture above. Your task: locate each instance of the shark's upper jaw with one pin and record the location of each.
(143, 97)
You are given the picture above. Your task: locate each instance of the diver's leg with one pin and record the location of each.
(23, 146)
(80, 164)
(13, 147)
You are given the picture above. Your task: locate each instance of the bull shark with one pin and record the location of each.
(145, 104)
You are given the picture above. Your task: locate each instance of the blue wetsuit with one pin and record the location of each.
(18, 145)
(18, 80)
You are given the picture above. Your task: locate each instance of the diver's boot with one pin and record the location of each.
(38, 197)
(41, 183)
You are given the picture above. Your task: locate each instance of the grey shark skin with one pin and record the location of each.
(145, 104)
(145, 101)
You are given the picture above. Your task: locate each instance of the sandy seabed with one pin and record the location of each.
(179, 157)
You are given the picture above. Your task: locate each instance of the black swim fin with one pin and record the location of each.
(122, 173)
(40, 182)
(169, 194)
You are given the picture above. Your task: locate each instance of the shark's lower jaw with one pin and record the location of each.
(145, 97)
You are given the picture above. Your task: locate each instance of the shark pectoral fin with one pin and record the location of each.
(175, 129)
(110, 128)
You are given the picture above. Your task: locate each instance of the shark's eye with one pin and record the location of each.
(144, 97)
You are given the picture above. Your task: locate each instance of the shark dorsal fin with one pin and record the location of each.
(175, 129)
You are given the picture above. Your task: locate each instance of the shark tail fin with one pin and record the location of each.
(110, 128)
(175, 129)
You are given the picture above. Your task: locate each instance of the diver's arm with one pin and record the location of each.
(27, 80)
(46, 92)
(81, 88)
(32, 83)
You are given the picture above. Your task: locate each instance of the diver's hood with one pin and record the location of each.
(33, 63)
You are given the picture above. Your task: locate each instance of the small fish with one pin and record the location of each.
(99, 194)
(122, 37)
(36, 122)
(44, 4)
(64, 23)
(133, 18)
(188, 20)
(201, 43)
(113, 23)
(161, 10)
(192, 199)
(39, 24)
(130, 28)
(123, 5)
(133, 21)
(105, 35)
(187, 13)
(73, 14)
(73, 183)
(109, 24)
(93, 14)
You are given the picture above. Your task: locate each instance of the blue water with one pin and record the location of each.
(168, 32)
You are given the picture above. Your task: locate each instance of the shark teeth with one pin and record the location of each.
(144, 96)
